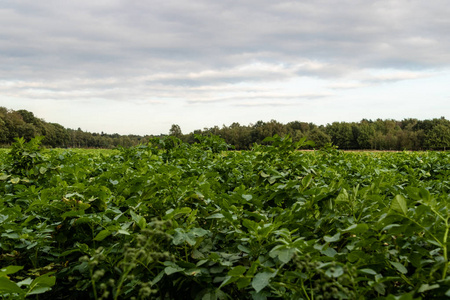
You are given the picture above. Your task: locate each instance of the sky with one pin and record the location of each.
(137, 67)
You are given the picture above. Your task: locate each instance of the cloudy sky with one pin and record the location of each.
(139, 66)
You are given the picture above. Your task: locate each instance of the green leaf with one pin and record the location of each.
(380, 288)
(251, 272)
(39, 290)
(343, 196)
(172, 268)
(244, 249)
(142, 223)
(214, 295)
(138, 219)
(399, 205)
(425, 195)
(306, 181)
(191, 237)
(237, 271)
(228, 280)
(199, 232)
(261, 280)
(357, 228)
(413, 192)
(264, 175)
(10, 270)
(121, 231)
(247, 197)
(408, 296)
(11, 235)
(388, 227)
(170, 214)
(25, 282)
(243, 282)
(179, 237)
(73, 213)
(283, 252)
(259, 296)
(158, 277)
(426, 287)
(70, 195)
(286, 255)
(15, 180)
(334, 272)
(249, 224)
(334, 238)
(401, 268)
(42, 284)
(102, 235)
(7, 286)
(46, 280)
(330, 252)
(368, 271)
(215, 216)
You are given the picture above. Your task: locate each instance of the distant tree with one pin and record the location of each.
(380, 134)
(319, 137)
(296, 125)
(366, 132)
(341, 134)
(175, 131)
(257, 134)
(438, 137)
(27, 116)
(4, 132)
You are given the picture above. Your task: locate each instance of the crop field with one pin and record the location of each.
(169, 220)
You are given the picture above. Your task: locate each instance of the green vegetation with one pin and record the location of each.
(409, 134)
(22, 123)
(171, 220)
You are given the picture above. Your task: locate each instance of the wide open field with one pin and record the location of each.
(190, 221)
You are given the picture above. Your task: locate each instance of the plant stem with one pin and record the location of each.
(304, 291)
(93, 284)
(444, 248)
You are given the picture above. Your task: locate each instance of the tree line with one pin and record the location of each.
(23, 123)
(408, 134)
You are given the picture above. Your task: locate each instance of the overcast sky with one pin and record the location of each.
(140, 66)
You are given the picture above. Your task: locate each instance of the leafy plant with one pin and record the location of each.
(13, 290)
(25, 156)
(166, 219)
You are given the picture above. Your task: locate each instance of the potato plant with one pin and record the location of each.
(169, 220)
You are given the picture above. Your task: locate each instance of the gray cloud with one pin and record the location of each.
(259, 98)
(214, 51)
(267, 104)
(125, 37)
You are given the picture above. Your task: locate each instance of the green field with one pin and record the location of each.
(170, 220)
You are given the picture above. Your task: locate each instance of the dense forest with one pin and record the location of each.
(408, 134)
(22, 123)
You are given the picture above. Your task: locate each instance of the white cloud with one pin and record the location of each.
(232, 54)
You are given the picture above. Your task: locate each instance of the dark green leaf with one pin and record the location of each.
(399, 205)
(7, 286)
(401, 268)
(102, 235)
(261, 280)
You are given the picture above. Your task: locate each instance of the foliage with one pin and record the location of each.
(170, 220)
(24, 156)
(408, 134)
